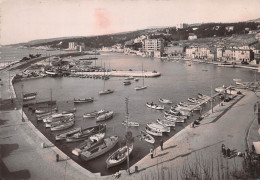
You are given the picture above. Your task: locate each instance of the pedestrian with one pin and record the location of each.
(228, 152)
(222, 148)
(161, 144)
(151, 152)
(224, 151)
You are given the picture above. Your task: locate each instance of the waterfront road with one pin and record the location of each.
(22, 156)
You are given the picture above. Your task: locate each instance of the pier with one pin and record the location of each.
(122, 73)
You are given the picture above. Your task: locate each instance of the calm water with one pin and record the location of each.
(177, 83)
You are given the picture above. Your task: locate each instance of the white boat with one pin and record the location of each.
(85, 100)
(91, 142)
(165, 101)
(193, 100)
(220, 89)
(154, 106)
(63, 126)
(85, 133)
(51, 73)
(56, 123)
(57, 117)
(130, 124)
(153, 131)
(63, 135)
(105, 146)
(119, 156)
(93, 114)
(106, 91)
(166, 122)
(69, 111)
(45, 110)
(29, 98)
(141, 87)
(127, 82)
(202, 96)
(147, 137)
(158, 127)
(105, 116)
(136, 79)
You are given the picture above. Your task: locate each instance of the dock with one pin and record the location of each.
(122, 73)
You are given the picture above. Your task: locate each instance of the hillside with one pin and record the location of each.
(168, 33)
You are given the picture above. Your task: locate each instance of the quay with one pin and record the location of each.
(23, 155)
(122, 73)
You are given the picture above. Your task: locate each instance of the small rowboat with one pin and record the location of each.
(63, 126)
(202, 96)
(130, 124)
(193, 100)
(119, 156)
(166, 123)
(129, 78)
(91, 142)
(105, 146)
(44, 111)
(57, 117)
(154, 106)
(147, 137)
(127, 82)
(63, 135)
(165, 101)
(158, 127)
(140, 87)
(29, 96)
(91, 99)
(93, 114)
(153, 131)
(105, 116)
(69, 111)
(56, 123)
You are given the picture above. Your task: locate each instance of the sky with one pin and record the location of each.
(25, 20)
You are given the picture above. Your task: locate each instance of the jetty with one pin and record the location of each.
(122, 73)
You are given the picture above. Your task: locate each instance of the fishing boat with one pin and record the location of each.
(63, 135)
(91, 142)
(130, 124)
(166, 122)
(29, 96)
(59, 122)
(104, 116)
(45, 115)
(182, 111)
(63, 126)
(127, 82)
(141, 87)
(220, 89)
(57, 117)
(147, 137)
(174, 112)
(158, 127)
(44, 110)
(85, 133)
(153, 131)
(154, 106)
(193, 100)
(93, 114)
(136, 79)
(202, 96)
(85, 100)
(105, 146)
(165, 101)
(119, 156)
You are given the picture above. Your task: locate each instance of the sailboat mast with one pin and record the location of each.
(143, 74)
(127, 147)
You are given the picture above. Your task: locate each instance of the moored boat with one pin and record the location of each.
(153, 131)
(93, 114)
(104, 116)
(45, 110)
(130, 124)
(166, 123)
(91, 142)
(57, 117)
(85, 100)
(129, 78)
(63, 126)
(59, 122)
(63, 135)
(69, 111)
(29, 96)
(147, 137)
(127, 82)
(165, 101)
(154, 106)
(85, 133)
(106, 91)
(158, 127)
(105, 146)
(119, 156)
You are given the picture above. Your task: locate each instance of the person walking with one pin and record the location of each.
(151, 152)
(161, 144)
(228, 152)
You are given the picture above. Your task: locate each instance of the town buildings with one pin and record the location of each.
(181, 26)
(192, 36)
(153, 47)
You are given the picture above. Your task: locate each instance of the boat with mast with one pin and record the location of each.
(141, 87)
(105, 91)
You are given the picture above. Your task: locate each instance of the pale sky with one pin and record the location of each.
(25, 20)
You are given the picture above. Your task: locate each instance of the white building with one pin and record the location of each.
(153, 46)
(181, 26)
(73, 45)
(192, 36)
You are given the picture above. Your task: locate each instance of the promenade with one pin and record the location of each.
(22, 156)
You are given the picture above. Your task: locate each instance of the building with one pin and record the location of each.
(256, 51)
(257, 36)
(192, 36)
(230, 28)
(73, 45)
(181, 26)
(174, 50)
(150, 46)
(237, 55)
